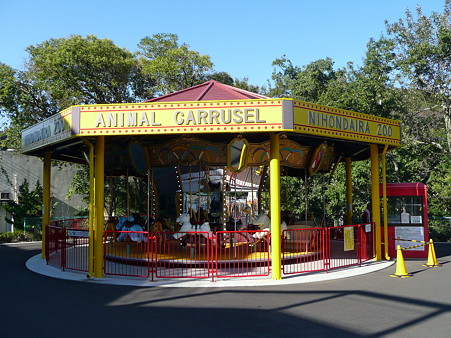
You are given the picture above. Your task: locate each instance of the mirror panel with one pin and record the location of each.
(237, 154)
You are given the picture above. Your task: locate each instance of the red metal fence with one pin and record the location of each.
(55, 245)
(77, 249)
(187, 254)
(127, 253)
(342, 247)
(367, 239)
(183, 255)
(303, 250)
(317, 249)
(222, 254)
(67, 248)
(349, 245)
(242, 253)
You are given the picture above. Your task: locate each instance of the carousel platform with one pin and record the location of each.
(38, 265)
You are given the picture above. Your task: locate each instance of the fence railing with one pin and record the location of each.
(67, 248)
(316, 249)
(242, 253)
(223, 254)
(127, 253)
(348, 245)
(183, 255)
(303, 250)
(55, 246)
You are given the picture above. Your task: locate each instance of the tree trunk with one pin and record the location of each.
(447, 117)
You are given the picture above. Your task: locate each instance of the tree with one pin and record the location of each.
(372, 89)
(8, 90)
(422, 46)
(22, 103)
(29, 204)
(89, 70)
(439, 188)
(284, 76)
(222, 77)
(313, 80)
(173, 66)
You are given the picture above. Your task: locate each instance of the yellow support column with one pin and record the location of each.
(46, 199)
(91, 208)
(99, 206)
(375, 201)
(384, 201)
(276, 233)
(348, 190)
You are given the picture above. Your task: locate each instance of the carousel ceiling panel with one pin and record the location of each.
(187, 151)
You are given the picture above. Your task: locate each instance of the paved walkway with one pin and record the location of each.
(368, 305)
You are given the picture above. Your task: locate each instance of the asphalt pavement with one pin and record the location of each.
(367, 305)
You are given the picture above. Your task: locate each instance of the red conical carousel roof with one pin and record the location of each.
(210, 90)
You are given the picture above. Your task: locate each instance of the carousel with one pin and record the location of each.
(203, 170)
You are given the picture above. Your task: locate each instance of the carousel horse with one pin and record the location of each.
(111, 226)
(184, 220)
(264, 223)
(157, 227)
(128, 224)
(233, 224)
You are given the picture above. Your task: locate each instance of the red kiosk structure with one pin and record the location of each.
(407, 218)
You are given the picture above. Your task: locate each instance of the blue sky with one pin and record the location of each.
(242, 37)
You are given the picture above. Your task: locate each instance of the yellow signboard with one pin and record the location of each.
(313, 119)
(348, 235)
(181, 117)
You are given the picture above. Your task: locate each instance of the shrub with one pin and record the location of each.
(19, 236)
(440, 229)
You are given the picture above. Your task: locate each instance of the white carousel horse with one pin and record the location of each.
(264, 223)
(184, 220)
(122, 225)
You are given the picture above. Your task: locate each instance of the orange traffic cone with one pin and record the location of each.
(400, 265)
(432, 259)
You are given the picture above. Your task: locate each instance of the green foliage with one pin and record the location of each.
(222, 77)
(440, 229)
(21, 103)
(439, 188)
(284, 76)
(115, 193)
(80, 184)
(326, 193)
(29, 204)
(173, 66)
(372, 88)
(422, 47)
(8, 90)
(19, 236)
(367, 89)
(243, 83)
(79, 70)
(312, 82)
